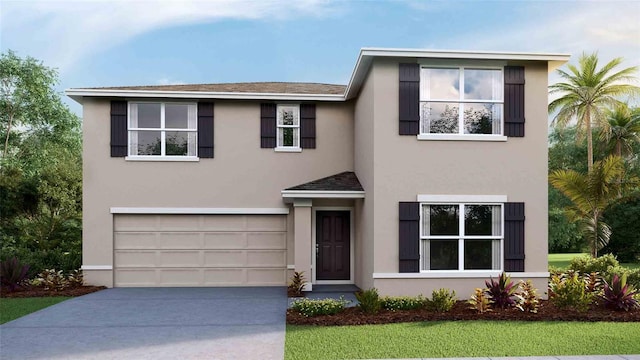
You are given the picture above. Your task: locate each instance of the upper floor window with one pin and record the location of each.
(461, 236)
(158, 129)
(461, 100)
(288, 126)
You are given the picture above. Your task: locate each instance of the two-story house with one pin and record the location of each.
(428, 170)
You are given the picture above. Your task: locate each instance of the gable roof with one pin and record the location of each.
(344, 181)
(244, 87)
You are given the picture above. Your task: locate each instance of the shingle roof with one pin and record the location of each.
(345, 181)
(248, 87)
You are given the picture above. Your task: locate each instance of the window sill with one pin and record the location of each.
(163, 158)
(458, 274)
(458, 137)
(287, 149)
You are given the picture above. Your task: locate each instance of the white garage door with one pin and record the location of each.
(199, 250)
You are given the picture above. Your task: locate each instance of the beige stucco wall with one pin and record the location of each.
(242, 175)
(405, 167)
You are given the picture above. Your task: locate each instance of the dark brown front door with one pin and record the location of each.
(333, 251)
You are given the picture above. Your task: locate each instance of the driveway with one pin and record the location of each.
(154, 323)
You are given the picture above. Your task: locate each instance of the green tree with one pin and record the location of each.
(590, 194)
(623, 130)
(585, 91)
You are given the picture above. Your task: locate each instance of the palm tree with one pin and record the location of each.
(623, 130)
(590, 194)
(586, 91)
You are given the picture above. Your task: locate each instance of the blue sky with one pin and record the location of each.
(109, 43)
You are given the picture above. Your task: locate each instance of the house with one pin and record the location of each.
(428, 170)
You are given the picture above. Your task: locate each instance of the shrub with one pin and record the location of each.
(75, 278)
(527, 300)
(479, 301)
(625, 232)
(297, 284)
(501, 292)
(394, 303)
(442, 300)
(554, 270)
(310, 307)
(12, 273)
(586, 264)
(369, 301)
(569, 291)
(633, 276)
(593, 283)
(619, 295)
(50, 279)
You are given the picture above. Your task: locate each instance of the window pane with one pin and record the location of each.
(444, 220)
(288, 115)
(178, 142)
(443, 254)
(482, 220)
(149, 115)
(288, 137)
(482, 118)
(144, 142)
(478, 255)
(482, 84)
(439, 118)
(176, 116)
(440, 84)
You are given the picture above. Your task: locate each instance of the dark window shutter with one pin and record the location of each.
(267, 125)
(514, 101)
(119, 136)
(514, 237)
(205, 129)
(308, 126)
(409, 99)
(409, 236)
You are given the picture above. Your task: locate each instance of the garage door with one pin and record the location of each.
(199, 250)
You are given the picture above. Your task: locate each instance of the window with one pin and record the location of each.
(288, 126)
(461, 100)
(162, 129)
(461, 237)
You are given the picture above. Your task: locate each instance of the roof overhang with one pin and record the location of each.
(79, 94)
(366, 56)
(322, 194)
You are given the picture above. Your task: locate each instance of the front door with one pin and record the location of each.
(333, 248)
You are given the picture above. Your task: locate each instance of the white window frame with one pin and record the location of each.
(461, 237)
(280, 127)
(162, 129)
(461, 100)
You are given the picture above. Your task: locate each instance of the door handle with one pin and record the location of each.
(317, 249)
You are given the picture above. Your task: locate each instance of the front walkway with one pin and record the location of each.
(154, 323)
(579, 357)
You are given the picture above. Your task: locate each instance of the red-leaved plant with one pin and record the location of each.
(12, 273)
(501, 292)
(619, 295)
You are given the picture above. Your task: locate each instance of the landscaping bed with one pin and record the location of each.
(460, 311)
(32, 291)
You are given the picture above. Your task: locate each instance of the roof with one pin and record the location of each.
(292, 91)
(245, 87)
(344, 181)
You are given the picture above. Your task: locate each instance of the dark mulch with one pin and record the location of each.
(25, 292)
(461, 311)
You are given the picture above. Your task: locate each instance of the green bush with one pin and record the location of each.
(569, 291)
(625, 230)
(586, 264)
(564, 235)
(442, 300)
(368, 301)
(311, 307)
(395, 303)
(633, 276)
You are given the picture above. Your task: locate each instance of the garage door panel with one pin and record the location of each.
(266, 258)
(225, 240)
(135, 240)
(135, 258)
(221, 258)
(266, 240)
(200, 250)
(180, 240)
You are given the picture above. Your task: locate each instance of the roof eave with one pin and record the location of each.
(322, 194)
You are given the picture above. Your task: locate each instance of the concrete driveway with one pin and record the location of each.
(154, 323)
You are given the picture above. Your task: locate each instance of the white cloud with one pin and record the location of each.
(168, 81)
(64, 32)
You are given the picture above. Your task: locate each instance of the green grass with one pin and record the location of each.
(13, 308)
(562, 261)
(461, 339)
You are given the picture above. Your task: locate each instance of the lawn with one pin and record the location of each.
(461, 339)
(562, 261)
(13, 308)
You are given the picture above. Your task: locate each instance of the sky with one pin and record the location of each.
(119, 43)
